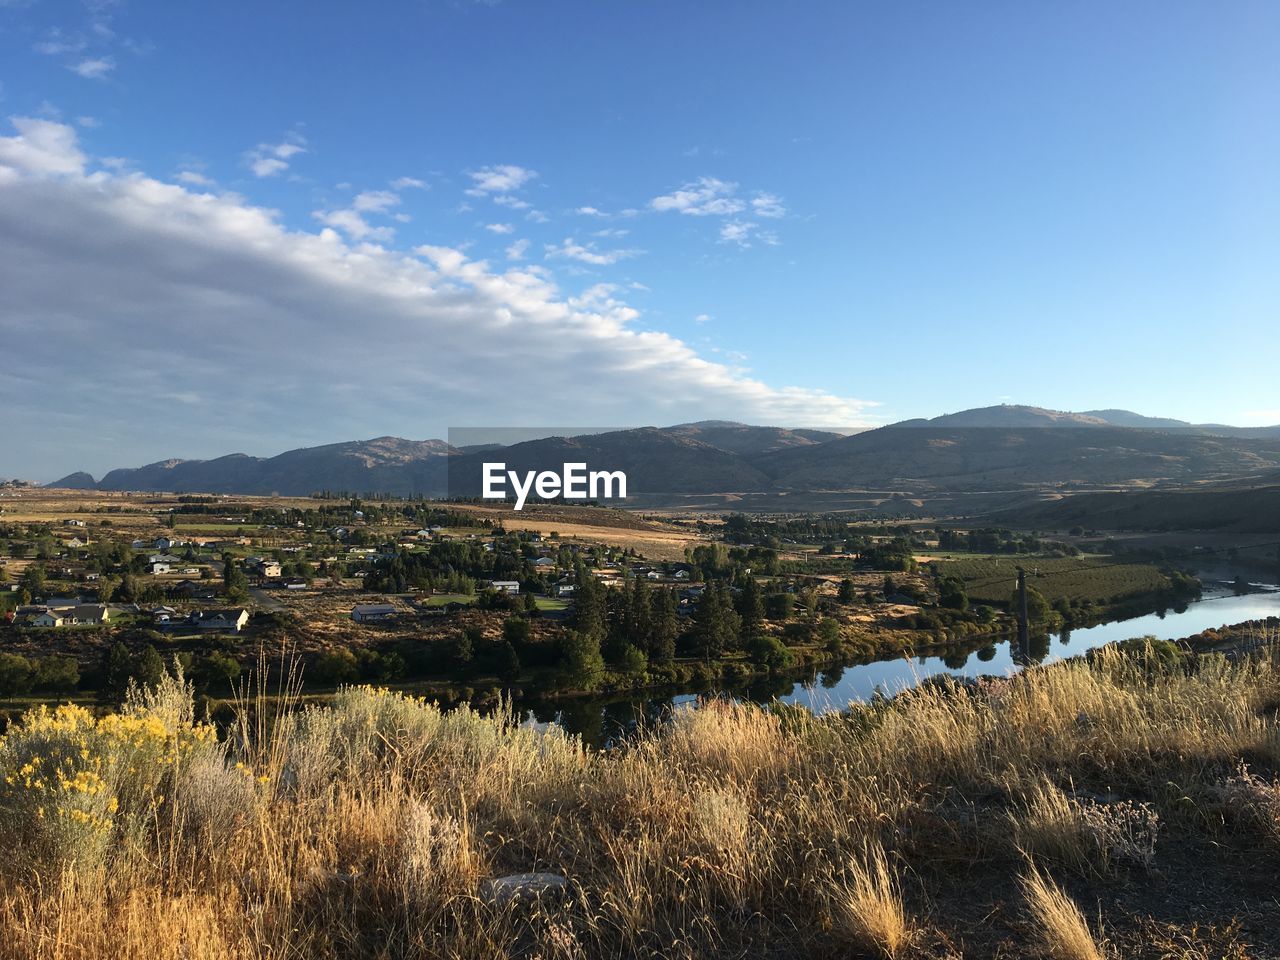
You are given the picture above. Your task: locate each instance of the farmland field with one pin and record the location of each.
(1070, 578)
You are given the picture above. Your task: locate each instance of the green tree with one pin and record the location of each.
(952, 594)
(829, 634)
(217, 670)
(33, 580)
(16, 675)
(335, 667)
(716, 623)
(107, 587)
(847, 594)
(664, 627)
(581, 660)
(118, 669)
(769, 652)
(58, 673)
(148, 669)
(234, 582)
(508, 662)
(751, 608)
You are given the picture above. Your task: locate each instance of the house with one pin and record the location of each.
(163, 558)
(681, 575)
(90, 613)
(73, 523)
(510, 587)
(544, 562)
(565, 590)
(268, 568)
(86, 614)
(653, 575)
(168, 543)
(231, 620)
(372, 612)
(74, 542)
(163, 614)
(158, 568)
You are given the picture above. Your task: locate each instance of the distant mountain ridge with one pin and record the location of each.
(991, 448)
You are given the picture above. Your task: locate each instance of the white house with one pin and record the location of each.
(157, 568)
(232, 620)
(511, 587)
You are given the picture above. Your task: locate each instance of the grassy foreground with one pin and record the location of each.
(1076, 811)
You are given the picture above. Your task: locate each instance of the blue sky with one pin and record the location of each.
(256, 226)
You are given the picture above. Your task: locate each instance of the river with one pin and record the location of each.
(602, 720)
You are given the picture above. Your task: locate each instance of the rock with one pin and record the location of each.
(522, 888)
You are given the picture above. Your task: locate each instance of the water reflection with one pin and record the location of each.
(603, 721)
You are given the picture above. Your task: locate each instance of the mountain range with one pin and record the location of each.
(992, 448)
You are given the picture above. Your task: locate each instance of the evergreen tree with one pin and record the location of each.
(118, 669)
(716, 624)
(664, 627)
(751, 608)
(846, 594)
(234, 582)
(148, 669)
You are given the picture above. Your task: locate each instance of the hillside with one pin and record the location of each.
(1226, 509)
(993, 448)
(653, 460)
(385, 464)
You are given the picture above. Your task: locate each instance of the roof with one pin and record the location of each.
(373, 608)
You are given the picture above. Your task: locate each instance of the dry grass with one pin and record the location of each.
(370, 826)
(1062, 929)
(869, 908)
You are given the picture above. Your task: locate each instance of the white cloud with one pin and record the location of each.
(590, 212)
(737, 231)
(193, 177)
(573, 250)
(768, 205)
(331, 339)
(704, 197)
(537, 216)
(58, 45)
(405, 183)
(350, 222)
(515, 203)
(89, 123)
(94, 68)
(41, 148)
(702, 318)
(500, 178)
(375, 201)
(269, 159)
(500, 228)
(517, 250)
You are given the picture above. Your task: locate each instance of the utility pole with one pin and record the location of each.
(1023, 639)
